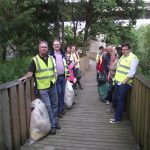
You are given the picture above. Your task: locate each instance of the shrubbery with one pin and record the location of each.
(141, 46)
(14, 69)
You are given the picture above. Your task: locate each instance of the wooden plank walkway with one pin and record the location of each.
(86, 126)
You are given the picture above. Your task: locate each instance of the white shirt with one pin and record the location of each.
(133, 68)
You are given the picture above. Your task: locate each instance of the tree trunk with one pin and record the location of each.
(3, 52)
(85, 38)
(75, 25)
(57, 20)
(62, 20)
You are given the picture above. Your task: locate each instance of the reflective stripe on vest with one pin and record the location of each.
(39, 67)
(45, 74)
(123, 67)
(65, 67)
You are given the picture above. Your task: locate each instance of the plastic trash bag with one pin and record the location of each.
(69, 94)
(103, 91)
(40, 123)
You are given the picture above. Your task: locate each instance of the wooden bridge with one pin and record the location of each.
(86, 126)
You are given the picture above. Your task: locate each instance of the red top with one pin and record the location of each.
(99, 66)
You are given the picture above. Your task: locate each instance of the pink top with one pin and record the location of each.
(71, 78)
(59, 63)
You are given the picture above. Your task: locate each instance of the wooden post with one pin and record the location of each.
(22, 113)
(5, 124)
(28, 105)
(15, 118)
(147, 122)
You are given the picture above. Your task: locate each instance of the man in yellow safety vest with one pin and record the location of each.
(43, 68)
(126, 69)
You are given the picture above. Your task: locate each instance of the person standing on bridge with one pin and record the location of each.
(43, 68)
(126, 69)
(77, 70)
(62, 71)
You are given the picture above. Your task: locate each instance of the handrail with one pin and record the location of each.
(15, 111)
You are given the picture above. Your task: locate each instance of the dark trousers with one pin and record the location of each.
(110, 91)
(60, 84)
(120, 97)
(78, 78)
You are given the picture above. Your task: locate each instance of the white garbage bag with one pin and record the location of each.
(40, 122)
(69, 94)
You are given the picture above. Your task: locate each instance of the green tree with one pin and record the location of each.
(142, 47)
(105, 13)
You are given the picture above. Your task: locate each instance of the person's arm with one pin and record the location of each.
(78, 57)
(132, 70)
(108, 76)
(30, 73)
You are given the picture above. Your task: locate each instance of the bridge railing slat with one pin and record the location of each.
(5, 124)
(15, 117)
(22, 113)
(28, 104)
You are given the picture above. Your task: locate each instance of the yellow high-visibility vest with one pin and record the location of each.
(45, 74)
(123, 67)
(65, 67)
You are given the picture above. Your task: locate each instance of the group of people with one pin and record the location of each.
(51, 70)
(118, 66)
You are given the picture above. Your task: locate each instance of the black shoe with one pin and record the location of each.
(53, 131)
(81, 88)
(74, 87)
(63, 112)
(74, 102)
(58, 126)
(60, 115)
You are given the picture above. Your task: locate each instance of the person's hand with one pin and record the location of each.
(108, 78)
(76, 63)
(23, 79)
(124, 82)
(75, 80)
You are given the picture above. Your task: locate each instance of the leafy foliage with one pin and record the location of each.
(69, 37)
(108, 12)
(142, 47)
(14, 69)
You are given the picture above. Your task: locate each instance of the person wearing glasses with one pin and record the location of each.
(62, 71)
(126, 69)
(43, 68)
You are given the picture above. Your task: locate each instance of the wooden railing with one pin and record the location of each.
(138, 106)
(139, 110)
(15, 103)
(15, 111)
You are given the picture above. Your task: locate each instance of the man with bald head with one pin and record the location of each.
(43, 68)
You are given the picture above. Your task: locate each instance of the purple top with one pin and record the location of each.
(59, 63)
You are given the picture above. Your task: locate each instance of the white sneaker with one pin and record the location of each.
(107, 102)
(113, 121)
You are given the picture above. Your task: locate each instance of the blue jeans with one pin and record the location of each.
(120, 97)
(50, 99)
(60, 84)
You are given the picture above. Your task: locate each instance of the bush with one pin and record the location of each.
(14, 69)
(142, 48)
